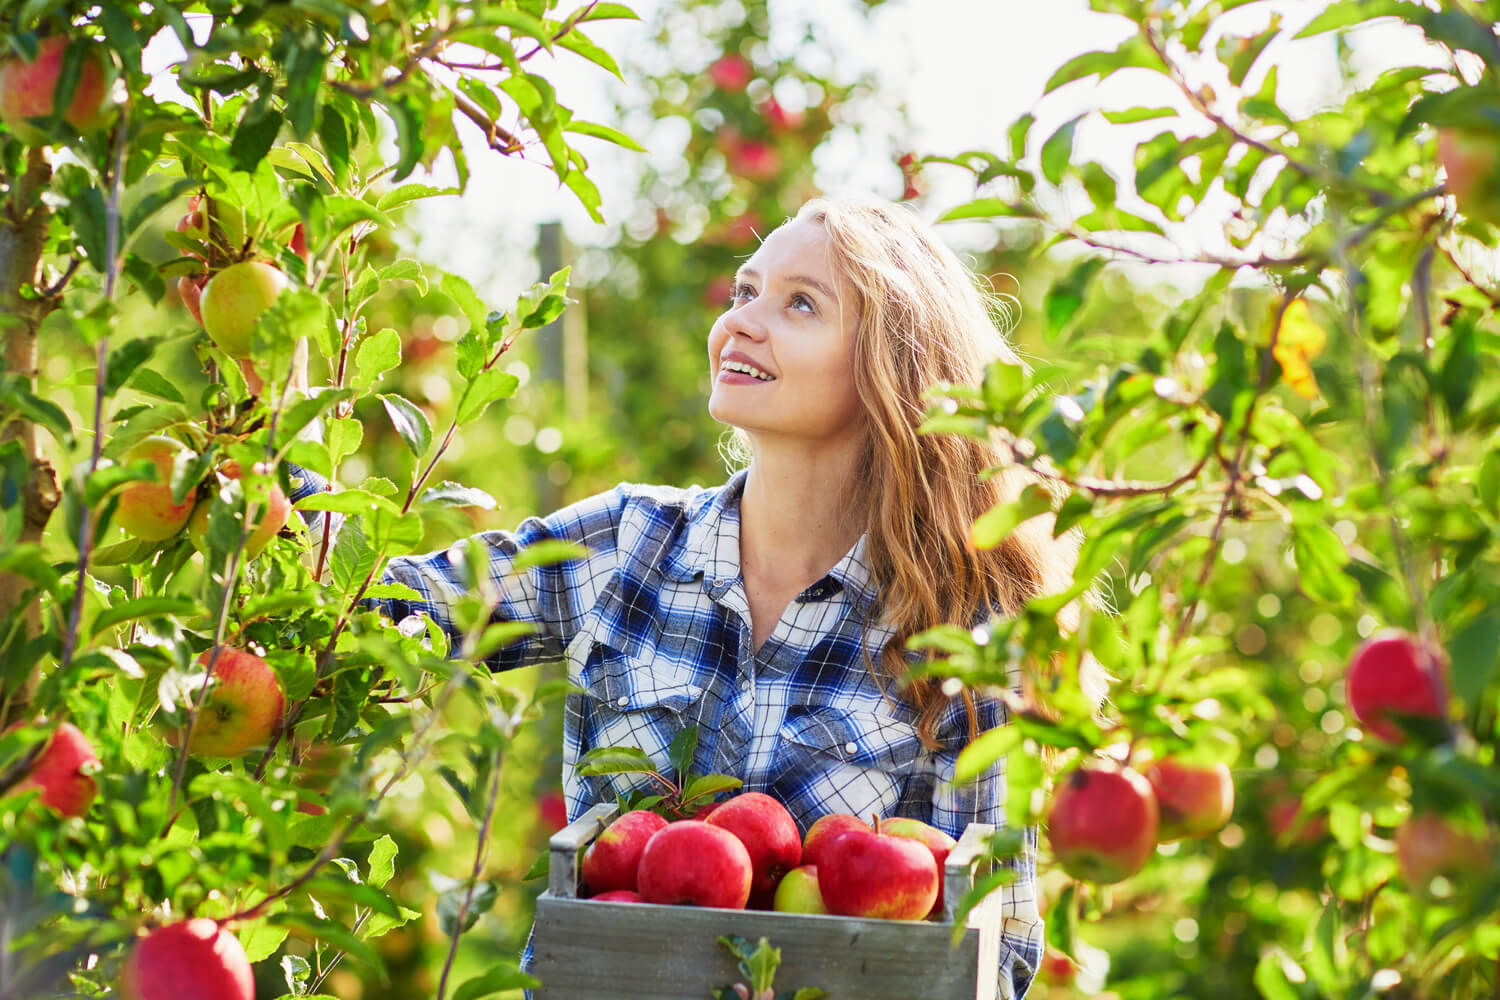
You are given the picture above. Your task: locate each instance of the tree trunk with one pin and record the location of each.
(23, 230)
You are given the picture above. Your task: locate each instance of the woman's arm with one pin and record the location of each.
(554, 598)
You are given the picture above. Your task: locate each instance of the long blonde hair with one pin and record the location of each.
(923, 319)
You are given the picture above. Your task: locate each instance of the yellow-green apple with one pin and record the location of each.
(192, 960)
(619, 896)
(243, 707)
(275, 511)
(27, 90)
(693, 863)
(146, 509)
(1103, 822)
(1192, 800)
(938, 842)
(1395, 674)
(234, 300)
(1469, 159)
(869, 874)
(824, 830)
(770, 835)
(1429, 846)
(798, 892)
(611, 861)
(58, 771)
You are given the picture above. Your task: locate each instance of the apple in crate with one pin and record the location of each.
(938, 842)
(824, 831)
(619, 896)
(610, 862)
(872, 874)
(798, 892)
(693, 863)
(769, 834)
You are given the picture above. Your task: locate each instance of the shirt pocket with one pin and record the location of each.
(631, 701)
(832, 759)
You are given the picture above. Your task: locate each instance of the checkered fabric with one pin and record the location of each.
(655, 628)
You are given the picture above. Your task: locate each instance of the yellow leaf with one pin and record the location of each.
(1299, 339)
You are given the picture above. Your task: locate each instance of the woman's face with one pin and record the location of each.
(782, 356)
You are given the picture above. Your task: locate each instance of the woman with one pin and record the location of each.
(772, 611)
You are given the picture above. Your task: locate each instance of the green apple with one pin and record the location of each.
(243, 707)
(146, 509)
(234, 301)
(797, 892)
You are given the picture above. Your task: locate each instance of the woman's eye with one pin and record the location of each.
(741, 292)
(802, 301)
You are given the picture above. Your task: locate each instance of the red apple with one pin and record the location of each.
(824, 830)
(243, 707)
(191, 960)
(693, 863)
(798, 892)
(754, 160)
(1103, 823)
(146, 509)
(1395, 673)
(58, 771)
(1191, 801)
(611, 860)
(1057, 969)
(235, 299)
(1428, 846)
(552, 809)
(27, 90)
(730, 72)
(190, 290)
(1291, 826)
(1469, 160)
(938, 842)
(275, 511)
(619, 896)
(768, 832)
(778, 118)
(869, 874)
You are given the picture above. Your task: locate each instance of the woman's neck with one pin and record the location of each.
(799, 515)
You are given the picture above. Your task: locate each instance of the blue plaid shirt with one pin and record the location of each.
(655, 628)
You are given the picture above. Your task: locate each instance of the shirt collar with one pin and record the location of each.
(711, 547)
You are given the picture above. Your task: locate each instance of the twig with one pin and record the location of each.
(481, 850)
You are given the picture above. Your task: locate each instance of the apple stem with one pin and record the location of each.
(875, 822)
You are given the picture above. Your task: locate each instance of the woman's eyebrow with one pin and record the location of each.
(796, 279)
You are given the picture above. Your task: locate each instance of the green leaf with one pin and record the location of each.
(410, 422)
(410, 142)
(977, 894)
(253, 138)
(980, 755)
(1057, 151)
(680, 753)
(456, 495)
(707, 786)
(1127, 116)
(1321, 559)
(334, 934)
(487, 387)
(986, 208)
(995, 525)
(1474, 653)
(376, 355)
(143, 607)
(604, 132)
(547, 552)
(579, 44)
(1133, 52)
(497, 979)
(408, 193)
(462, 293)
(1489, 481)
(614, 760)
(1344, 13)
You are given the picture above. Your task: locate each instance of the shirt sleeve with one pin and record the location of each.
(554, 598)
(954, 806)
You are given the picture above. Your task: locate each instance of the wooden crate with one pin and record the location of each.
(585, 949)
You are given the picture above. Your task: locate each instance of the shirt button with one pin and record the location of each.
(623, 701)
(850, 748)
(744, 685)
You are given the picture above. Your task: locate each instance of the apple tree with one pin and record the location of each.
(1287, 486)
(208, 721)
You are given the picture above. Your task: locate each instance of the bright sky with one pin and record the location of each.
(965, 68)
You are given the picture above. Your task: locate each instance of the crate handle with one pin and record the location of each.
(957, 877)
(565, 845)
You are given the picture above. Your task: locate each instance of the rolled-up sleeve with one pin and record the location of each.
(553, 597)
